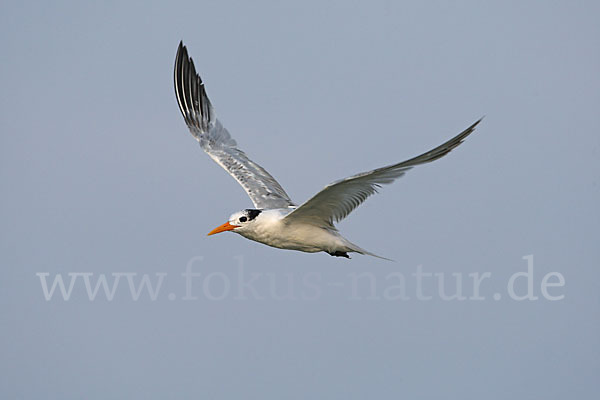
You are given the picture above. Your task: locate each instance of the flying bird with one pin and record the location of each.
(275, 219)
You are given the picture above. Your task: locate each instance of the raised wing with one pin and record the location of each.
(199, 115)
(340, 198)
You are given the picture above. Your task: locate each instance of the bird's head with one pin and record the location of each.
(238, 221)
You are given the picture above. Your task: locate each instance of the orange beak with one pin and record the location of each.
(225, 227)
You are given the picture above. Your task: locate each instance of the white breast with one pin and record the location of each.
(270, 229)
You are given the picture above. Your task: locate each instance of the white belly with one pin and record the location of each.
(301, 237)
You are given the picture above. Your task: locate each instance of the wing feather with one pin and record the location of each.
(338, 199)
(215, 140)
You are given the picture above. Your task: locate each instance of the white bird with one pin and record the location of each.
(275, 220)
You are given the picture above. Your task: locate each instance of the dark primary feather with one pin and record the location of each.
(340, 198)
(191, 95)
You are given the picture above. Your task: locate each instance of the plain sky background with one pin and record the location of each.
(99, 174)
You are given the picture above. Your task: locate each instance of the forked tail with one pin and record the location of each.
(359, 250)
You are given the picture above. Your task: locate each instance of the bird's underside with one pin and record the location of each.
(275, 219)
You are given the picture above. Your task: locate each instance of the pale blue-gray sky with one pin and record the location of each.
(99, 174)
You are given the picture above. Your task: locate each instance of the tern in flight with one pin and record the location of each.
(275, 219)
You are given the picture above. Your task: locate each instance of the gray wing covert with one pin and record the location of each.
(338, 199)
(264, 191)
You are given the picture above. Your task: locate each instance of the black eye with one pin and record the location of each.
(243, 219)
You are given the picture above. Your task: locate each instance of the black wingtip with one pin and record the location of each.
(182, 54)
(190, 93)
(470, 129)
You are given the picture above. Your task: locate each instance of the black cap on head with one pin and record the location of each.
(252, 213)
